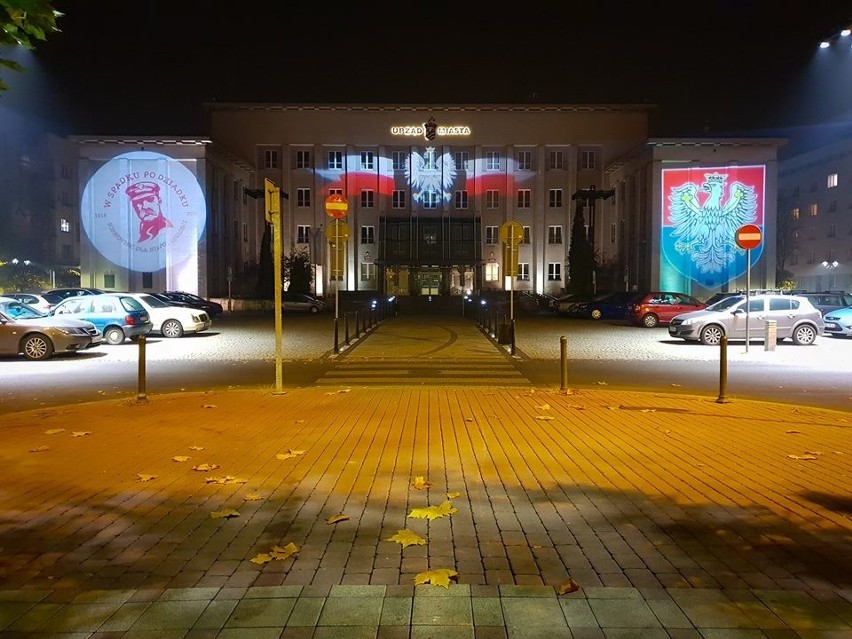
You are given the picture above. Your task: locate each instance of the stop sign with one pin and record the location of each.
(336, 206)
(749, 236)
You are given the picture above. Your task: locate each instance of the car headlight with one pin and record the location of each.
(688, 322)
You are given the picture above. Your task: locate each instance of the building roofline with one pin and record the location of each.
(128, 140)
(443, 107)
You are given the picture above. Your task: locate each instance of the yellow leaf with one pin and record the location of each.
(453, 495)
(224, 514)
(286, 552)
(196, 448)
(802, 457)
(433, 512)
(601, 383)
(421, 483)
(438, 577)
(334, 519)
(544, 418)
(648, 410)
(812, 452)
(253, 497)
(613, 407)
(287, 454)
(208, 406)
(227, 479)
(675, 385)
(54, 431)
(180, 458)
(793, 432)
(262, 558)
(203, 468)
(81, 433)
(568, 586)
(407, 538)
(544, 407)
(143, 477)
(39, 449)
(469, 419)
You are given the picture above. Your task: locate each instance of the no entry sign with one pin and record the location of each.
(749, 236)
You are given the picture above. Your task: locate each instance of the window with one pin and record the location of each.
(303, 159)
(430, 160)
(832, 231)
(811, 258)
(335, 191)
(270, 159)
(368, 197)
(335, 160)
(303, 234)
(109, 280)
(245, 232)
(612, 233)
(813, 210)
(554, 198)
(491, 235)
(795, 213)
(368, 235)
(832, 206)
(554, 271)
(524, 198)
(832, 181)
(236, 190)
(462, 159)
(368, 271)
(555, 160)
(431, 199)
(303, 197)
(526, 239)
(492, 161)
(147, 280)
(398, 200)
(524, 271)
(461, 199)
(64, 225)
(587, 160)
(554, 235)
(399, 158)
(492, 199)
(524, 160)
(492, 272)
(368, 161)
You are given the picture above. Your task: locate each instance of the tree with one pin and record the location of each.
(785, 243)
(22, 23)
(296, 268)
(581, 261)
(265, 270)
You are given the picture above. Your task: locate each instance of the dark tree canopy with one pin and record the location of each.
(581, 260)
(23, 23)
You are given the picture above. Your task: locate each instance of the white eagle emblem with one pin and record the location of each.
(707, 233)
(430, 173)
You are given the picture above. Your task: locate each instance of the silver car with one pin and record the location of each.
(796, 318)
(25, 330)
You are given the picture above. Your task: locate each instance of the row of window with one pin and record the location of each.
(491, 274)
(492, 234)
(367, 160)
(811, 258)
(813, 210)
(432, 199)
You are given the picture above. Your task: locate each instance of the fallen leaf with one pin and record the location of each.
(648, 410)
(287, 454)
(262, 558)
(54, 431)
(613, 407)
(421, 483)
(227, 479)
(453, 495)
(433, 512)
(802, 457)
(338, 392)
(469, 419)
(253, 497)
(203, 468)
(438, 577)
(209, 406)
(39, 449)
(407, 538)
(812, 452)
(81, 433)
(180, 458)
(792, 432)
(334, 519)
(224, 514)
(286, 552)
(676, 385)
(143, 477)
(601, 383)
(568, 586)
(544, 407)
(196, 448)
(544, 418)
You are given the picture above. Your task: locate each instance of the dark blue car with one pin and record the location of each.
(611, 306)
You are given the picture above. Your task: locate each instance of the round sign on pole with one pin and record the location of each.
(511, 232)
(749, 236)
(336, 206)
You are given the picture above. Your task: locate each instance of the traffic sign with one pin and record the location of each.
(749, 236)
(511, 233)
(336, 206)
(337, 231)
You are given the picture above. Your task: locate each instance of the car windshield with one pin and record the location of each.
(726, 303)
(154, 302)
(19, 310)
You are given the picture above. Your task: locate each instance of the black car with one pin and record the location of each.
(194, 301)
(63, 293)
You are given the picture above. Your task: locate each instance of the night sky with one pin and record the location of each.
(724, 67)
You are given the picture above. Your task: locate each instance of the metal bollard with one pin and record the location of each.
(336, 343)
(141, 394)
(357, 325)
(346, 328)
(512, 336)
(563, 360)
(723, 370)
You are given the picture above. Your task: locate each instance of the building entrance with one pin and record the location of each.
(429, 281)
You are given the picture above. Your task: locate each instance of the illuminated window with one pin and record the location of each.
(492, 199)
(526, 239)
(524, 160)
(461, 199)
(430, 161)
(491, 235)
(368, 197)
(431, 199)
(492, 161)
(492, 272)
(554, 198)
(462, 159)
(795, 213)
(335, 191)
(524, 198)
(554, 235)
(335, 160)
(832, 180)
(554, 271)
(524, 271)
(270, 159)
(368, 235)
(813, 210)
(64, 225)
(303, 234)
(368, 271)
(303, 159)
(588, 160)
(398, 200)
(303, 197)
(555, 160)
(399, 158)
(368, 160)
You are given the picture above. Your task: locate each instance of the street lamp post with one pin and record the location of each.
(830, 267)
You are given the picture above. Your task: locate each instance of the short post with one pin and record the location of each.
(512, 335)
(141, 395)
(563, 360)
(336, 343)
(346, 328)
(723, 370)
(770, 337)
(357, 325)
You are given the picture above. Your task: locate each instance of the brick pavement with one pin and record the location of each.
(677, 516)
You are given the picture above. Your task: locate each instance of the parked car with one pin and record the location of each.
(170, 320)
(41, 302)
(72, 292)
(660, 307)
(190, 299)
(301, 302)
(609, 306)
(116, 315)
(36, 335)
(838, 323)
(829, 300)
(566, 304)
(796, 319)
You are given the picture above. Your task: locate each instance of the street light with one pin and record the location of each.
(830, 267)
(843, 34)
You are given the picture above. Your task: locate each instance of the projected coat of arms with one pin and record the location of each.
(702, 209)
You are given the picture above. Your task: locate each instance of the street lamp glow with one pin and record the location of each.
(824, 44)
(845, 32)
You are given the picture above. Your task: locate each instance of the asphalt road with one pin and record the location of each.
(239, 351)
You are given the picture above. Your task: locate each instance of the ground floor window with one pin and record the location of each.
(492, 272)
(524, 271)
(554, 271)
